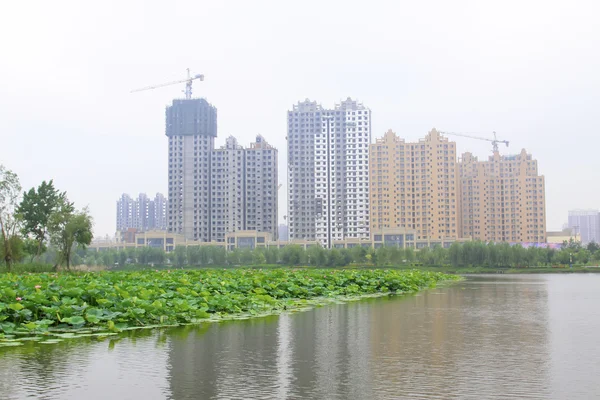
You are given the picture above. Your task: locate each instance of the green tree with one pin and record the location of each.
(258, 256)
(455, 254)
(292, 254)
(438, 255)
(583, 256)
(17, 247)
(335, 258)
(69, 228)
(10, 190)
(180, 256)
(193, 255)
(233, 257)
(30, 247)
(35, 210)
(592, 247)
(122, 257)
(358, 254)
(246, 257)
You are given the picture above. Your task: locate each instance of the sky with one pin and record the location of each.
(528, 70)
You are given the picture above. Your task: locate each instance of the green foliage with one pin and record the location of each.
(10, 190)
(16, 247)
(458, 255)
(68, 229)
(35, 210)
(118, 300)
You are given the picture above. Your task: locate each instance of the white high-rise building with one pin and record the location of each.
(141, 213)
(586, 223)
(328, 171)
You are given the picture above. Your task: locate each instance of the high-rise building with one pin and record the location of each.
(283, 232)
(415, 185)
(141, 214)
(157, 212)
(503, 199)
(261, 187)
(227, 189)
(304, 121)
(586, 223)
(243, 188)
(124, 212)
(191, 126)
(328, 171)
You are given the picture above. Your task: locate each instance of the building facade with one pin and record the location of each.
(261, 187)
(328, 171)
(414, 185)
(586, 223)
(124, 212)
(304, 121)
(191, 126)
(243, 188)
(141, 214)
(502, 199)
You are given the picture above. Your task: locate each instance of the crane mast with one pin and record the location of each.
(494, 141)
(188, 84)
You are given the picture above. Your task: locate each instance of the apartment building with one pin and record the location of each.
(328, 171)
(585, 223)
(304, 121)
(227, 189)
(503, 198)
(414, 185)
(191, 126)
(243, 188)
(261, 187)
(141, 214)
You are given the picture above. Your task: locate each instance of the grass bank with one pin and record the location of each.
(49, 307)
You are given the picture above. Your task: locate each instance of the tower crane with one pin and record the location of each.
(494, 141)
(188, 84)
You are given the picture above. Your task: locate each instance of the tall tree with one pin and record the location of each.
(69, 228)
(10, 190)
(35, 210)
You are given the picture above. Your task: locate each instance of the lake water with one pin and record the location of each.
(489, 337)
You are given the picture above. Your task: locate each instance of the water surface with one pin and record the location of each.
(490, 337)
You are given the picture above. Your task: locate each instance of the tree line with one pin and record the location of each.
(468, 254)
(41, 218)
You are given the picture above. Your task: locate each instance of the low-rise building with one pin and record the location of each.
(559, 237)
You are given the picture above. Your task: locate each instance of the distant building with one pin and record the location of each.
(141, 214)
(586, 223)
(283, 232)
(414, 185)
(560, 237)
(328, 171)
(502, 199)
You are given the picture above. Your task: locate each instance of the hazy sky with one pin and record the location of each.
(529, 70)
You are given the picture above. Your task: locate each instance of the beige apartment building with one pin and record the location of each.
(414, 185)
(502, 199)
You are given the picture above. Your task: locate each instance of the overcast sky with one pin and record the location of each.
(529, 70)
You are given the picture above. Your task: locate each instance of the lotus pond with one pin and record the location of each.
(51, 307)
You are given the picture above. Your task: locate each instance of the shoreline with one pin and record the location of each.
(108, 303)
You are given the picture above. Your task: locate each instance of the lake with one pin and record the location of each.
(488, 337)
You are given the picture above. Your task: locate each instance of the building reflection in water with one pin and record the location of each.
(475, 339)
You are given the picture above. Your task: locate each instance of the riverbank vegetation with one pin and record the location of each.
(467, 255)
(31, 220)
(52, 304)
